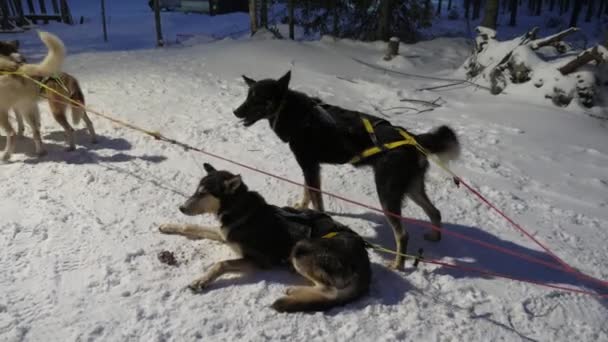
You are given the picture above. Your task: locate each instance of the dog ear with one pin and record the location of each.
(208, 167)
(249, 81)
(233, 184)
(284, 80)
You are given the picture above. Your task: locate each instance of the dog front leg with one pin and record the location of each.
(191, 231)
(219, 269)
(312, 177)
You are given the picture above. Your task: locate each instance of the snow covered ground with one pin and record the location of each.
(78, 230)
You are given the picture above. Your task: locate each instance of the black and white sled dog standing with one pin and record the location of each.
(320, 133)
(329, 254)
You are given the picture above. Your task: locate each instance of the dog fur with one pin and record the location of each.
(63, 85)
(320, 133)
(66, 85)
(22, 95)
(266, 236)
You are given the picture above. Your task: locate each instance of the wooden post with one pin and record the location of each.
(55, 6)
(291, 20)
(43, 9)
(103, 20)
(19, 10)
(392, 49)
(66, 15)
(4, 24)
(159, 32)
(30, 7)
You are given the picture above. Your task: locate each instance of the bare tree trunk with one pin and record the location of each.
(290, 5)
(490, 15)
(539, 7)
(103, 19)
(264, 13)
(336, 19)
(601, 9)
(575, 13)
(159, 30)
(467, 8)
(513, 9)
(438, 12)
(552, 6)
(590, 6)
(476, 9)
(449, 5)
(253, 16)
(385, 20)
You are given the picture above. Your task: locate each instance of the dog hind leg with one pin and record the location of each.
(78, 112)
(58, 109)
(419, 196)
(219, 269)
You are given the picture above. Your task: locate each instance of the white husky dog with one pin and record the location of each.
(22, 95)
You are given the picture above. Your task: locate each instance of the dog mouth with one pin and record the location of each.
(248, 122)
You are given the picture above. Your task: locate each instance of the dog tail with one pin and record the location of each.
(441, 141)
(51, 64)
(78, 112)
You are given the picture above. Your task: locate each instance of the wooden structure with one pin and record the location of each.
(211, 7)
(14, 17)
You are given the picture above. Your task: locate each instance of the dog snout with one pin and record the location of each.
(182, 209)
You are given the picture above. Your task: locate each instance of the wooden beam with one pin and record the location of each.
(43, 9)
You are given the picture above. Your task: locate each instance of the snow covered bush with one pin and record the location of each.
(547, 64)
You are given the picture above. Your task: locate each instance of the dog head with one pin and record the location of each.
(10, 49)
(264, 99)
(213, 189)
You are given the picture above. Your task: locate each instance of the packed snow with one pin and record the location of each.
(79, 238)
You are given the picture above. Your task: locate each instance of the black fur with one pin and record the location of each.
(270, 236)
(320, 133)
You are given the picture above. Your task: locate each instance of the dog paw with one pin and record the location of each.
(168, 228)
(282, 304)
(434, 236)
(396, 265)
(291, 290)
(301, 206)
(198, 286)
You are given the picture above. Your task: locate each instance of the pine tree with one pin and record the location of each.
(513, 9)
(590, 6)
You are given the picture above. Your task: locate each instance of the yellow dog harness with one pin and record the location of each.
(407, 140)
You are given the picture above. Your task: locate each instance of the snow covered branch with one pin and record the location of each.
(521, 61)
